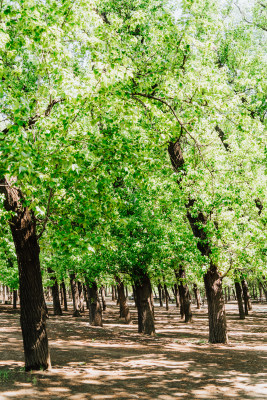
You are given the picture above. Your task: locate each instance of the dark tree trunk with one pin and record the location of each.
(32, 302)
(229, 293)
(85, 297)
(185, 303)
(75, 296)
(124, 309)
(95, 310)
(225, 295)
(176, 295)
(144, 303)
(238, 290)
(81, 297)
(134, 295)
(160, 295)
(246, 296)
(64, 292)
(55, 293)
(197, 296)
(113, 293)
(15, 296)
(263, 287)
(103, 298)
(216, 308)
(166, 297)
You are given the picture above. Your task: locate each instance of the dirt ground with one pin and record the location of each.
(115, 362)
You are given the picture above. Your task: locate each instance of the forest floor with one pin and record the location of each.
(115, 362)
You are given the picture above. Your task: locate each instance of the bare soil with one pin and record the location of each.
(115, 362)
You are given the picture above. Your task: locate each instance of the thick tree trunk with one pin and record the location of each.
(55, 293)
(32, 303)
(81, 297)
(216, 308)
(75, 296)
(124, 309)
(144, 303)
(197, 296)
(238, 290)
(64, 292)
(95, 310)
(103, 298)
(246, 296)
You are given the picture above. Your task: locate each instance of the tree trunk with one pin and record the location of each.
(238, 290)
(197, 296)
(64, 292)
(81, 297)
(246, 296)
(95, 310)
(113, 293)
(176, 295)
(144, 303)
(166, 297)
(185, 303)
(262, 286)
(75, 296)
(134, 295)
(216, 308)
(15, 296)
(160, 295)
(55, 292)
(103, 298)
(124, 309)
(33, 308)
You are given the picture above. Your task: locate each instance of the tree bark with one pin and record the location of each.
(216, 308)
(95, 310)
(124, 309)
(81, 297)
(75, 296)
(197, 295)
(64, 292)
(113, 293)
(15, 296)
(238, 290)
(185, 303)
(246, 296)
(32, 302)
(166, 297)
(103, 298)
(160, 295)
(55, 292)
(144, 303)
(176, 295)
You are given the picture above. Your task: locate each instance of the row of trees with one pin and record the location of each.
(132, 144)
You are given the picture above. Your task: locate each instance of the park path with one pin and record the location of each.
(114, 362)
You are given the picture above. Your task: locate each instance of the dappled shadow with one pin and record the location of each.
(115, 362)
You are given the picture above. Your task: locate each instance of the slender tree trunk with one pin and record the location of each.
(160, 295)
(197, 296)
(85, 297)
(64, 292)
(229, 293)
(246, 296)
(95, 310)
(75, 296)
(113, 293)
(124, 309)
(55, 292)
(262, 287)
(134, 295)
(216, 308)
(225, 296)
(103, 298)
(144, 302)
(166, 297)
(176, 295)
(32, 303)
(15, 296)
(238, 290)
